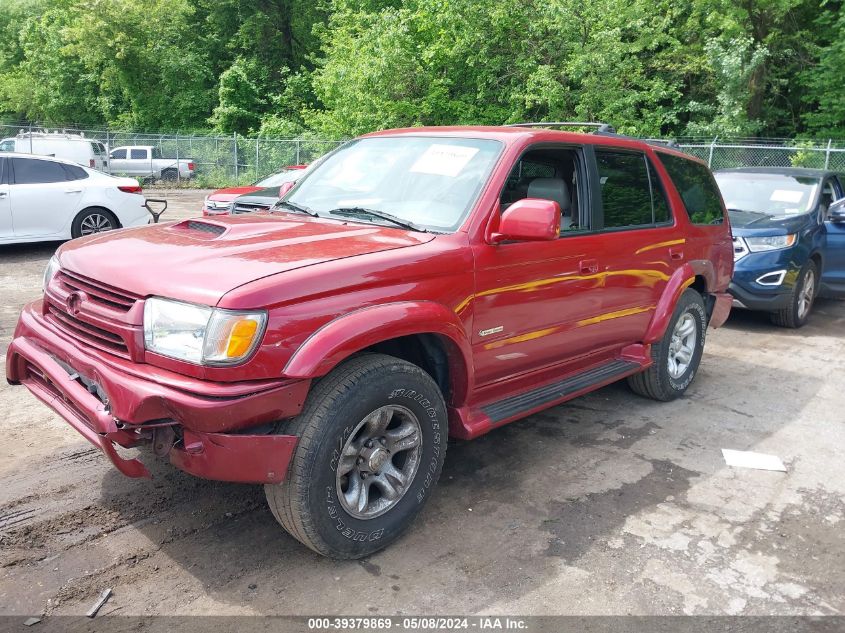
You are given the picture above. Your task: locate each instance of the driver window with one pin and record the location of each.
(828, 197)
(551, 173)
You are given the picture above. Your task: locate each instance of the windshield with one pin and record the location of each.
(289, 175)
(430, 182)
(772, 194)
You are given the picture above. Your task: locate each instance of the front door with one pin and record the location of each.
(42, 199)
(534, 300)
(833, 275)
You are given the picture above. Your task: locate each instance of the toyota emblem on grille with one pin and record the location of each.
(74, 301)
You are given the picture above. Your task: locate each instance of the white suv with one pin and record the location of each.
(44, 198)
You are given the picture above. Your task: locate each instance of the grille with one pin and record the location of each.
(97, 292)
(91, 334)
(242, 207)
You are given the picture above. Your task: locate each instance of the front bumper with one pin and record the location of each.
(131, 400)
(768, 302)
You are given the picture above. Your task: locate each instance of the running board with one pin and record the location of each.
(537, 398)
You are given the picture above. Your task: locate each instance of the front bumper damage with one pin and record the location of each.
(111, 401)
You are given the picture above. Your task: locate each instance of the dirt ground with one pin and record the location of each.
(610, 504)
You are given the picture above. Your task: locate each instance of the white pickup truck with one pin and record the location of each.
(146, 161)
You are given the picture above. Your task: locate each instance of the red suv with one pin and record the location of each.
(416, 284)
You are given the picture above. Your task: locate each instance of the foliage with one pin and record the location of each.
(337, 68)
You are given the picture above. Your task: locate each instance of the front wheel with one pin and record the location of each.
(675, 358)
(372, 439)
(801, 299)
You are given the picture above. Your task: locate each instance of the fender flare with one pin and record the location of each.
(349, 333)
(680, 280)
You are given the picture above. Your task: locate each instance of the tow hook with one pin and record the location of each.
(164, 437)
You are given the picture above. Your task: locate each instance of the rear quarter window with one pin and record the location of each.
(697, 188)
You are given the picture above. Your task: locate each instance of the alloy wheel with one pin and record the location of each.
(379, 461)
(682, 345)
(95, 223)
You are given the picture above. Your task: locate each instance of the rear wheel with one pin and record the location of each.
(804, 293)
(675, 358)
(93, 220)
(371, 448)
(169, 175)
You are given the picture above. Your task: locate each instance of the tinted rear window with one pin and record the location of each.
(75, 172)
(30, 171)
(697, 187)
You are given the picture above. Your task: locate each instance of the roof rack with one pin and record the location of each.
(601, 128)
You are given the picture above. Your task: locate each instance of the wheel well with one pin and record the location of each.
(98, 208)
(427, 351)
(700, 285)
(816, 258)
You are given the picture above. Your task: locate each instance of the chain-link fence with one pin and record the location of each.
(722, 154)
(228, 160)
(218, 160)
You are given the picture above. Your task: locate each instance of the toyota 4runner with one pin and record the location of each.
(416, 284)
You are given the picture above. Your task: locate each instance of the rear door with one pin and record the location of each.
(833, 275)
(43, 200)
(638, 246)
(6, 230)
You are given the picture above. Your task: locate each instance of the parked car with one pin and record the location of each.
(220, 202)
(74, 147)
(44, 198)
(416, 284)
(787, 246)
(146, 161)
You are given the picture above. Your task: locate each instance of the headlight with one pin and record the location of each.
(50, 272)
(771, 243)
(200, 334)
(218, 206)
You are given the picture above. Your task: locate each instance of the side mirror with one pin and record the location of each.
(286, 186)
(529, 220)
(836, 211)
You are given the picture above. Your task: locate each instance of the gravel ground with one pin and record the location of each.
(610, 504)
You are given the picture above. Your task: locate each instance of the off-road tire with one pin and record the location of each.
(88, 215)
(791, 316)
(656, 382)
(307, 502)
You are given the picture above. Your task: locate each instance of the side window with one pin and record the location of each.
(697, 187)
(75, 172)
(30, 171)
(552, 173)
(138, 154)
(7, 146)
(662, 212)
(3, 175)
(118, 154)
(625, 189)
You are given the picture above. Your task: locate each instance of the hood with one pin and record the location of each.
(266, 197)
(752, 223)
(230, 193)
(200, 260)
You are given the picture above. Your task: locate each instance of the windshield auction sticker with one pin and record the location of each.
(444, 160)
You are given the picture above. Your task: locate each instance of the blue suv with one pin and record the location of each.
(789, 238)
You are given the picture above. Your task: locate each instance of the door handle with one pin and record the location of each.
(588, 266)
(3, 194)
(676, 253)
(73, 190)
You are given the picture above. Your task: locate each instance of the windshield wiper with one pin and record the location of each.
(293, 206)
(375, 213)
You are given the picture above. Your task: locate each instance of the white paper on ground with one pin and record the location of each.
(747, 459)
